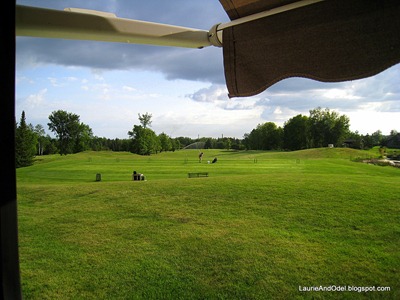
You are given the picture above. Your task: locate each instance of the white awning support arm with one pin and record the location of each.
(83, 24)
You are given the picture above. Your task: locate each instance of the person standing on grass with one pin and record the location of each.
(200, 157)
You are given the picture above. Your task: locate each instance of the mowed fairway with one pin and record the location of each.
(263, 225)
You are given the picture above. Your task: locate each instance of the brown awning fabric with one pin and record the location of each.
(242, 8)
(330, 41)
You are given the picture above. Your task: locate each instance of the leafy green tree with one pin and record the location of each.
(208, 144)
(228, 144)
(318, 127)
(165, 141)
(237, 144)
(254, 139)
(340, 129)
(67, 129)
(377, 138)
(41, 138)
(296, 133)
(144, 140)
(50, 145)
(184, 141)
(145, 119)
(176, 145)
(266, 136)
(25, 144)
(393, 140)
(219, 144)
(327, 127)
(83, 138)
(354, 140)
(246, 142)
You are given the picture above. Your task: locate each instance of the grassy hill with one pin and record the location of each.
(262, 225)
(118, 166)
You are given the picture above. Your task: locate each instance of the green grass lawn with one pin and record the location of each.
(262, 226)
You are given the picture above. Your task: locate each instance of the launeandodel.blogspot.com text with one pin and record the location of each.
(344, 288)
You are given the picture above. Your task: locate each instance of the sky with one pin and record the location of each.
(109, 84)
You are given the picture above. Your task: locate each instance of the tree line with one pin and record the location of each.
(73, 136)
(321, 128)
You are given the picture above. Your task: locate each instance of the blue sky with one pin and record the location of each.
(108, 84)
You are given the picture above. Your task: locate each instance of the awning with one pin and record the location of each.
(330, 41)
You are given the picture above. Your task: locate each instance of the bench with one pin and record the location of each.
(200, 174)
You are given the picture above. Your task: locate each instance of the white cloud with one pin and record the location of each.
(23, 79)
(347, 94)
(128, 88)
(54, 82)
(36, 100)
(211, 94)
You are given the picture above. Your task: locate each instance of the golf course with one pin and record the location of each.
(309, 224)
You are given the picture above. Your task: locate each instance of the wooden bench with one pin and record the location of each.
(200, 174)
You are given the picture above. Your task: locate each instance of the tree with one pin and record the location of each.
(83, 138)
(25, 144)
(67, 128)
(175, 144)
(393, 140)
(327, 127)
(296, 133)
(253, 139)
(340, 129)
(145, 119)
(228, 144)
(50, 145)
(165, 142)
(208, 144)
(266, 136)
(354, 140)
(377, 138)
(144, 140)
(184, 141)
(237, 144)
(41, 138)
(318, 127)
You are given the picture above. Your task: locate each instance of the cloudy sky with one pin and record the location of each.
(108, 84)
